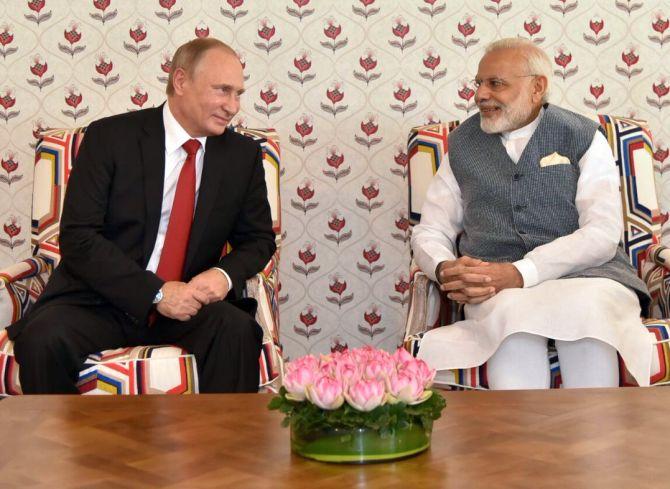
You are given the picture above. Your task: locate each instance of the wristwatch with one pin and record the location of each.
(159, 296)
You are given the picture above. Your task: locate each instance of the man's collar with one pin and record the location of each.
(175, 134)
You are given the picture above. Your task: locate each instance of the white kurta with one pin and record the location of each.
(565, 309)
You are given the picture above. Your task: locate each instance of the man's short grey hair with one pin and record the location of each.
(537, 61)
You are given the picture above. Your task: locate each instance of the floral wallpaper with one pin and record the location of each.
(343, 82)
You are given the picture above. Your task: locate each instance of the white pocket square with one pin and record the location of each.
(554, 159)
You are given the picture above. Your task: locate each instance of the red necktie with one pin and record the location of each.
(171, 264)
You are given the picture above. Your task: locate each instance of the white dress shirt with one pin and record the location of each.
(175, 157)
(597, 201)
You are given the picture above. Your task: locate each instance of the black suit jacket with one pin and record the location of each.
(112, 210)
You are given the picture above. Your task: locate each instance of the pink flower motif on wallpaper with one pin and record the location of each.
(6, 38)
(104, 67)
(243, 62)
(7, 101)
(370, 192)
(268, 95)
(304, 127)
(466, 93)
(37, 6)
(498, 7)
(369, 126)
(74, 98)
(367, 10)
(308, 318)
(597, 89)
(533, 26)
(630, 58)
(12, 229)
(431, 118)
(303, 63)
(73, 36)
(103, 16)
(336, 223)
(403, 231)
(660, 88)
(332, 29)
(306, 193)
(400, 29)
(659, 25)
(335, 95)
(335, 159)
(432, 60)
(466, 29)
(597, 26)
(266, 31)
(302, 10)
(563, 6)
(38, 128)
(401, 286)
(563, 59)
(138, 33)
(306, 254)
(236, 12)
(166, 66)
(401, 159)
(432, 8)
(201, 30)
(338, 286)
(402, 92)
(139, 96)
(39, 68)
(372, 317)
(9, 164)
(368, 61)
(170, 15)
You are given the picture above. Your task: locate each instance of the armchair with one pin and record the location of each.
(631, 145)
(141, 369)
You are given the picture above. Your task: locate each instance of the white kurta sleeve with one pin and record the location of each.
(595, 242)
(434, 238)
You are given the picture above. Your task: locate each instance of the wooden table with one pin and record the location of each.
(613, 438)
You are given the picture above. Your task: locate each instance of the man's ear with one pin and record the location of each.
(540, 85)
(179, 78)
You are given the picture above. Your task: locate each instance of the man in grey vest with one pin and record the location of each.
(522, 224)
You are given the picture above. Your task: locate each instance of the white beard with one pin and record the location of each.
(512, 116)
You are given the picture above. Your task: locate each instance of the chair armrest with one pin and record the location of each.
(424, 303)
(22, 270)
(660, 255)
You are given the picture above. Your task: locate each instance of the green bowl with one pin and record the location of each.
(360, 445)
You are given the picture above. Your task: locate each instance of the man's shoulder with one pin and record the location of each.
(569, 118)
(127, 121)
(465, 128)
(240, 142)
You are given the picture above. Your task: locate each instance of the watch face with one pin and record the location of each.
(158, 297)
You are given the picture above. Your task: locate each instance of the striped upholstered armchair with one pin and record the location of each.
(142, 369)
(631, 145)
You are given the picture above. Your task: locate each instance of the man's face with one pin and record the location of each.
(505, 96)
(208, 99)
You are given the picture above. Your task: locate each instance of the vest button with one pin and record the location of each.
(517, 177)
(519, 208)
(522, 232)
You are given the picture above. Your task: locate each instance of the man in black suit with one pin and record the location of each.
(153, 197)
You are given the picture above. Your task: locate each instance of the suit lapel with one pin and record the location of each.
(213, 169)
(153, 163)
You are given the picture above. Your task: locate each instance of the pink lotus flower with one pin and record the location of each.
(596, 25)
(332, 29)
(73, 35)
(307, 253)
(597, 90)
(201, 30)
(104, 66)
(39, 66)
(336, 285)
(369, 125)
(335, 158)
(416, 368)
(404, 387)
(432, 59)
(400, 28)
(630, 57)
(302, 62)
(138, 32)
(6, 35)
(563, 57)
(402, 91)
(467, 28)
(266, 30)
(73, 97)
(326, 393)
(7, 100)
(11, 227)
(336, 222)
(300, 377)
(304, 125)
(368, 61)
(365, 395)
(101, 4)
(335, 93)
(661, 24)
(36, 5)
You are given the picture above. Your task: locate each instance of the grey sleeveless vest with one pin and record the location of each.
(509, 209)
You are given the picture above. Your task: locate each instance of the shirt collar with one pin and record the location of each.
(175, 135)
(525, 131)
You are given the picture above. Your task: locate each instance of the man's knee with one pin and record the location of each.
(232, 321)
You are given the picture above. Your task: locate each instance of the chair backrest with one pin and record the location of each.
(631, 145)
(54, 155)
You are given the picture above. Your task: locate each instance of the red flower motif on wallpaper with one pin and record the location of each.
(659, 25)
(302, 62)
(336, 223)
(304, 127)
(401, 159)
(335, 95)
(169, 15)
(434, 9)
(10, 164)
(74, 98)
(266, 31)
(498, 7)
(332, 30)
(661, 88)
(307, 255)
(37, 6)
(563, 6)
(533, 26)
(370, 191)
(7, 101)
(432, 60)
(337, 344)
(6, 38)
(73, 36)
(402, 224)
(39, 67)
(596, 25)
(301, 12)
(103, 16)
(306, 192)
(166, 66)
(268, 95)
(138, 33)
(661, 153)
(563, 58)
(466, 92)
(104, 67)
(368, 61)
(402, 93)
(234, 14)
(400, 29)
(466, 28)
(369, 126)
(308, 317)
(139, 96)
(335, 159)
(337, 286)
(401, 286)
(372, 317)
(202, 30)
(597, 89)
(12, 229)
(630, 57)
(366, 11)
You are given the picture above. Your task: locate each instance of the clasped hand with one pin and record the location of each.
(182, 301)
(469, 280)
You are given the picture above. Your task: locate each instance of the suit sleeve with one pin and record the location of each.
(252, 238)
(87, 253)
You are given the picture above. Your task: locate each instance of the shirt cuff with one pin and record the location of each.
(230, 282)
(528, 272)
